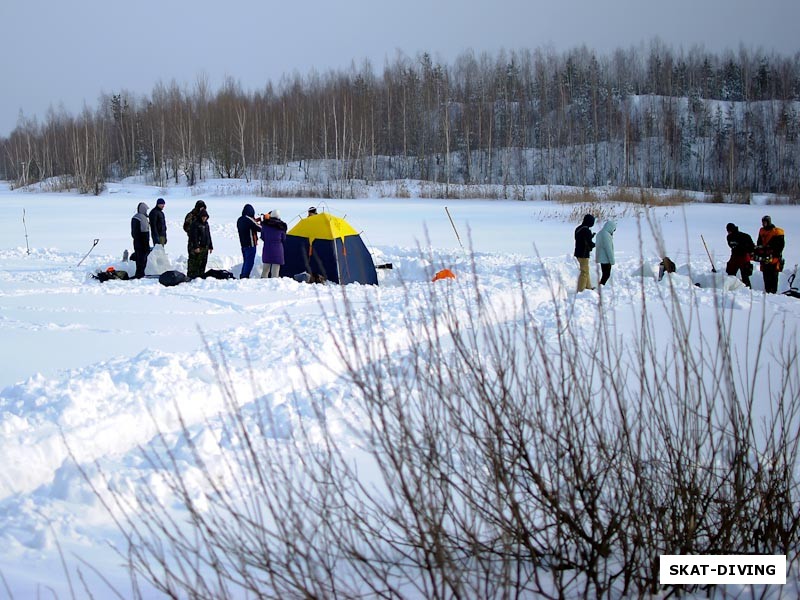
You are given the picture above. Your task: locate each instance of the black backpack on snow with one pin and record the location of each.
(218, 274)
(171, 278)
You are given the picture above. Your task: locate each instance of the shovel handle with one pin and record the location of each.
(713, 269)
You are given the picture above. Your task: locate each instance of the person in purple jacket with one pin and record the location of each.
(273, 232)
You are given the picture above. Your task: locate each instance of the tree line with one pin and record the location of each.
(648, 116)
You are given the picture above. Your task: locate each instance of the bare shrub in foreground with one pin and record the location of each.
(490, 457)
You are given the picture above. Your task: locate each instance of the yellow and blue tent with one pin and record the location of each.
(325, 245)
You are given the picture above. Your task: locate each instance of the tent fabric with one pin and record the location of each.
(444, 274)
(326, 245)
(323, 226)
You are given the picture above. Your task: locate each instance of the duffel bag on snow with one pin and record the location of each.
(218, 274)
(170, 278)
(110, 273)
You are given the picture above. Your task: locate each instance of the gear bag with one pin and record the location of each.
(172, 278)
(218, 274)
(110, 274)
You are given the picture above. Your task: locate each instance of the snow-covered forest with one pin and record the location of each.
(649, 116)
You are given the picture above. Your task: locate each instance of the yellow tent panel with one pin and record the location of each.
(323, 226)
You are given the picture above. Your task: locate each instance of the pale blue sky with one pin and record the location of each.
(54, 52)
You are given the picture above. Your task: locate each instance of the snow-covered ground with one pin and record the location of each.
(100, 366)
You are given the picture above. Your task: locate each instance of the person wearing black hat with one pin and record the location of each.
(769, 252)
(742, 247)
(158, 223)
(200, 245)
(583, 248)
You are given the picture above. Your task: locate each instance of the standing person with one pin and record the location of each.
(583, 248)
(769, 251)
(248, 229)
(273, 232)
(140, 232)
(192, 215)
(742, 247)
(200, 245)
(605, 250)
(158, 223)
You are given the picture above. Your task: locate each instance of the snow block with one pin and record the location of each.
(157, 261)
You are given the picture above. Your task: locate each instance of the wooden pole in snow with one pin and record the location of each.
(458, 237)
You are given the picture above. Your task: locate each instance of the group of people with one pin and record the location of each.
(272, 231)
(269, 227)
(584, 244)
(144, 224)
(767, 250)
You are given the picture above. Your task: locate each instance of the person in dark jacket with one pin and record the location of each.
(273, 232)
(583, 248)
(200, 245)
(140, 232)
(191, 216)
(742, 247)
(158, 223)
(769, 252)
(248, 228)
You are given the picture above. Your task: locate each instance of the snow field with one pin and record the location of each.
(100, 370)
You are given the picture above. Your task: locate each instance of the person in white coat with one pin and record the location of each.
(604, 252)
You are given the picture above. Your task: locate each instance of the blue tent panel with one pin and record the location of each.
(341, 260)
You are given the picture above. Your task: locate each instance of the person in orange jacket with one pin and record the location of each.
(769, 252)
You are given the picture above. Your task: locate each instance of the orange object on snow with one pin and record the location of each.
(444, 274)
